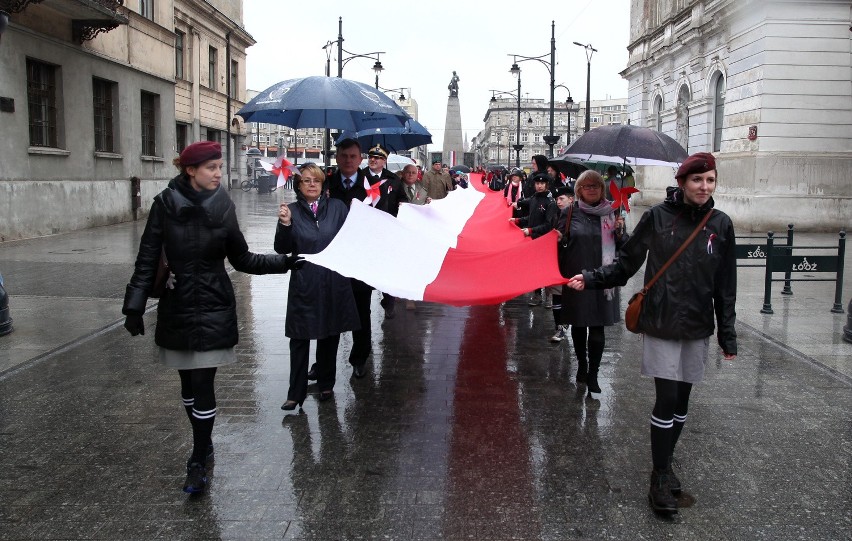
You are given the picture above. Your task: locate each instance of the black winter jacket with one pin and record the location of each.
(198, 230)
(540, 213)
(701, 282)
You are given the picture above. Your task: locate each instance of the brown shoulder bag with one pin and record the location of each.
(634, 305)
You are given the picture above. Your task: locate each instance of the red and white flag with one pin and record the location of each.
(281, 169)
(461, 250)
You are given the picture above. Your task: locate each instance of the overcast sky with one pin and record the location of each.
(424, 43)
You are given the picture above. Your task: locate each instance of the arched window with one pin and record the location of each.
(682, 130)
(718, 112)
(658, 113)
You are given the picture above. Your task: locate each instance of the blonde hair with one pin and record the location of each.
(313, 170)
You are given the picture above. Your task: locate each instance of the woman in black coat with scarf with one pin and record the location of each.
(193, 223)
(320, 303)
(595, 232)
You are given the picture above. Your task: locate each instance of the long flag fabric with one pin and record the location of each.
(461, 250)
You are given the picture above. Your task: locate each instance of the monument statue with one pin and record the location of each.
(454, 86)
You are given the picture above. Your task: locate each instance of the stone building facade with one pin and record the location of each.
(764, 85)
(88, 97)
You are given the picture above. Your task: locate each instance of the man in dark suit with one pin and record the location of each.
(348, 183)
(385, 192)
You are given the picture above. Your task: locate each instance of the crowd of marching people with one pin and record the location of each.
(192, 228)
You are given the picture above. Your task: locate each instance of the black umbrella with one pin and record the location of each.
(630, 145)
(570, 167)
(460, 168)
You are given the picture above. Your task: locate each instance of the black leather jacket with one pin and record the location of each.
(701, 282)
(198, 230)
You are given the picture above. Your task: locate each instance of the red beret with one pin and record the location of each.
(200, 152)
(701, 162)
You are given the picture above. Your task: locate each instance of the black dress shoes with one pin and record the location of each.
(359, 370)
(312, 373)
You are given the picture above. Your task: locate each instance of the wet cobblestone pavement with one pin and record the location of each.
(468, 425)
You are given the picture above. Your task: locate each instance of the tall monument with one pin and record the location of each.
(453, 151)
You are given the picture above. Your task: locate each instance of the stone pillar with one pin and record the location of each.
(453, 133)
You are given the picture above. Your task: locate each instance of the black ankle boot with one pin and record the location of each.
(196, 478)
(674, 482)
(660, 494)
(592, 376)
(582, 370)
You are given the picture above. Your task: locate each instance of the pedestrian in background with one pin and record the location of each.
(564, 199)
(193, 225)
(320, 303)
(437, 183)
(591, 231)
(678, 310)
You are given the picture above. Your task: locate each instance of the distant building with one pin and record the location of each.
(765, 86)
(494, 145)
(97, 98)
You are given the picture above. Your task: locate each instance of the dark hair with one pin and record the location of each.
(348, 143)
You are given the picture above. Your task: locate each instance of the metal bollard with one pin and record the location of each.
(5, 317)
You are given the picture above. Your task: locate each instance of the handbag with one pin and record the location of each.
(162, 277)
(634, 305)
(563, 244)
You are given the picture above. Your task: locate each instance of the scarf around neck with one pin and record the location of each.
(605, 211)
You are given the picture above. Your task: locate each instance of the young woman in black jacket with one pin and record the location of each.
(677, 316)
(194, 224)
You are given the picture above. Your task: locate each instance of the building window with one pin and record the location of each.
(718, 113)
(146, 9)
(211, 68)
(149, 108)
(41, 102)
(524, 137)
(214, 135)
(179, 40)
(658, 114)
(181, 133)
(102, 101)
(235, 69)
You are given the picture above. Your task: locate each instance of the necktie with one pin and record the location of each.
(411, 193)
(347, 183)
(314, 208)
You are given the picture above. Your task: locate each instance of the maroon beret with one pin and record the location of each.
(200, 152)
(700, 162)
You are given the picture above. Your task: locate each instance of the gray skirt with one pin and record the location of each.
(679, 360)
(188, 360)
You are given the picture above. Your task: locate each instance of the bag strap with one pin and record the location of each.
(568, 222)
(677, 254)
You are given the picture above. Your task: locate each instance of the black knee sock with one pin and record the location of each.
(680, 411)
(202, 435)
(662, 422)
(198, 383)
(557, 309)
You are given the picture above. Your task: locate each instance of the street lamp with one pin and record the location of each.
(341, 61)
(551, 69)
(517, 146)
(589, 52)
(572, 108)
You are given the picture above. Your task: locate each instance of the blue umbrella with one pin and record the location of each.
(324, 102)
(413, 134)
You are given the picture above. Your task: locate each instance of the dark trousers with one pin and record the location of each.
(361, 339)
(326, 360)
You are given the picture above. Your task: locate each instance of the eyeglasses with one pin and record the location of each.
(590, 187)
(311, 180)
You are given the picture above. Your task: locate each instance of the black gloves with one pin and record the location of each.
(294, 262)
(134, 324)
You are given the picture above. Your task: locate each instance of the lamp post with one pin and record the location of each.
(517, 146)
(589, 52)
(550, 139)
(341, 61)
(572, 108)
